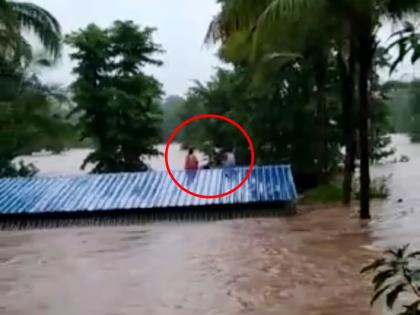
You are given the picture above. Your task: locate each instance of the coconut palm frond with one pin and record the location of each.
(41, 23)
(397, 9)
(286, 17)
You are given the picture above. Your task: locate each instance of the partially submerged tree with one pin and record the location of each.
(118, 103)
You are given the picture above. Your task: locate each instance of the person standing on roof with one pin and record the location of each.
(229, 163)
(229, 160)
(191, 162)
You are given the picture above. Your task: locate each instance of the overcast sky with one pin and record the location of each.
(181, 26)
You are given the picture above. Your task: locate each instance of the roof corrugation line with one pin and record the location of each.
(146, 190)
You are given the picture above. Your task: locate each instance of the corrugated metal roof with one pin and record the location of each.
(143, 190)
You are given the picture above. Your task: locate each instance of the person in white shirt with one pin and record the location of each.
(229, 159)
(229, 163)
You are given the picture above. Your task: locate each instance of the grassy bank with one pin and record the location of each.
(332, 191)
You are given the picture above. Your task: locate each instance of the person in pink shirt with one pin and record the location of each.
(191, 162)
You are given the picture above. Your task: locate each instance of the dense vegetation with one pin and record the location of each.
(117, 101)
(171, 109)
(404, 103)
(303, 91)
(337, 44)
(32, 114)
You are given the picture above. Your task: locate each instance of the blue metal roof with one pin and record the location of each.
(143, 190)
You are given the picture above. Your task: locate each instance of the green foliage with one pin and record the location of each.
(396, 273)
(398, 105)
(415, 128)
(117, 103)
(171, 108)
(18, 16)
(379, 188)
(10, 169)
(28, 108)
(332, 192)
(326, 193)
(252, 32)
(381, 120)
(404, 105)
(414, 103)
(281, 125)
(407, 41)
(29, 121)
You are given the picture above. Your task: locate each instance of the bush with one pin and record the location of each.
(379, 188)
(327, 193)
(11, 169)
(332, 192)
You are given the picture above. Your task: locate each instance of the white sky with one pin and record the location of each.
(181, 26)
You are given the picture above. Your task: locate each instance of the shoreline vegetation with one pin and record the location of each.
(332, 192)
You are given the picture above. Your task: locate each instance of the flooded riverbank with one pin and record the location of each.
(305, 264)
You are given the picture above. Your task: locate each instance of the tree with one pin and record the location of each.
(118, 103)
(29, 122)
(17, 17)
(414, 107)
(407, 40)
(288, 40)
(364, 20)
(398, 99)
(171, 108)
(281, 125)
(356, 23)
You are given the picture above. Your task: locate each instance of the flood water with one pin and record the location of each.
(69, 162)
(305, 264)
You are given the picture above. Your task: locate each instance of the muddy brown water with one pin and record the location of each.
(305, 264)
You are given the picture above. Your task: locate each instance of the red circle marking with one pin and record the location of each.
(186, 122)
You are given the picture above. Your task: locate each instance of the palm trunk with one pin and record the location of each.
(347, 74)
(365, 61)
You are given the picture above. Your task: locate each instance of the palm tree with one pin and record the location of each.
(16, 53)
(356, 22)
(17, 17)
(407, 40)
(364, 20)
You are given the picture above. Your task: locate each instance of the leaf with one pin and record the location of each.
(379, 293)
(382, 276)
(402, 250)
(398, 252)
(409, 27)
(413, 254)
(412, 309)
(44, 25)
(401, 55)
(392, 296)
(374, 265)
